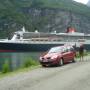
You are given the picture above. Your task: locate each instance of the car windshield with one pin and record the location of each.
(55, 50)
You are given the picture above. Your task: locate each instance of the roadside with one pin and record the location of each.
(21, 70)
(85, 57)
(28, 65)
(32, 67)
(38, 78)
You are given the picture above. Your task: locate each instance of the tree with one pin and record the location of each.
(36, 3)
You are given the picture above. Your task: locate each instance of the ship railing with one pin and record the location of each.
(37, 40)
(42, 40)
(45, 39)
(81, 40)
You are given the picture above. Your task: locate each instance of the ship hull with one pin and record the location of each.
(19, 47)
(30, 47)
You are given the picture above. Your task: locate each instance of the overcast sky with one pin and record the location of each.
(82, 1)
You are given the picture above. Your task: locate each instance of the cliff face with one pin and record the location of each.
(56, 19)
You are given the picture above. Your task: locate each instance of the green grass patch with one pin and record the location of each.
(29, 64)
(85, 54)
(5, 67)
(18, 71)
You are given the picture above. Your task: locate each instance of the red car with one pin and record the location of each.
(58, 56)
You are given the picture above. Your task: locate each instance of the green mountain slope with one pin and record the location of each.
(17, 13)
(60, 4)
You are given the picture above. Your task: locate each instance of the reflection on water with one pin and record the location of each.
(17, 59)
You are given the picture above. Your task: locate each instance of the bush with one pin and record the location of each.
(5, 67)
(30, 62)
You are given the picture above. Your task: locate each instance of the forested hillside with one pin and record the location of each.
(44, 15)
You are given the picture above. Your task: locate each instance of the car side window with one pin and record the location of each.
(65, 50)
(72, 49)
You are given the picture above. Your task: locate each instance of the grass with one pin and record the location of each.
(28, 65)
(18, 71)
(78, 56)
(85, 54)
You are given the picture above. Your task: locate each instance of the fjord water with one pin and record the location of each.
(16, 60)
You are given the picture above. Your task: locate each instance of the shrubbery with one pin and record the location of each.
(30, 62)
(78, 56)
(6, 67)
(27, 63)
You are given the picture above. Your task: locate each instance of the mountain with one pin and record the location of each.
(44, 15)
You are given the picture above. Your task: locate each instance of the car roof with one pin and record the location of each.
(64, 47)
(58, 46)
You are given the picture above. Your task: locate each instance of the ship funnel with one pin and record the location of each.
(70, 30)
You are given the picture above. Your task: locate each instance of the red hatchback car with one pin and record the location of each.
(58, 56)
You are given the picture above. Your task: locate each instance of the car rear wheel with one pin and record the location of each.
(61, 62)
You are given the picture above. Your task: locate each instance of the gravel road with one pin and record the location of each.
(73, 76)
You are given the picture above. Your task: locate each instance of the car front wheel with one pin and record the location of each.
(43, 65)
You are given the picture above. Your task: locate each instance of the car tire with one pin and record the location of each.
(43, 65)
(61, 62)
